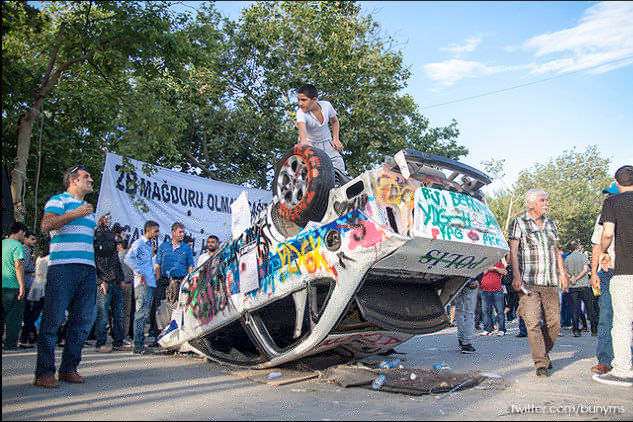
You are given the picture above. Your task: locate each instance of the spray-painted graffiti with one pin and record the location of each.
(206, 294)
(448, 215)
(343, 207)
(448, 260)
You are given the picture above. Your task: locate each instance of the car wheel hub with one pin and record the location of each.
(293, 181)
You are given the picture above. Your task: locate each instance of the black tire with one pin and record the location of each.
(302, 183)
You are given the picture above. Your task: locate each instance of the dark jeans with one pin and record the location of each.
(488, 301)
(584, 293)
(31, 312)
(604, 350)
(72, 287)
(565, 310)
(159, 294)
(12, 314)
(110, 302)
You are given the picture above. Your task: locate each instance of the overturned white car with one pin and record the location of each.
(359, 268)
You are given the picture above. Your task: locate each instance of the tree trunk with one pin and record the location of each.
(25, 125)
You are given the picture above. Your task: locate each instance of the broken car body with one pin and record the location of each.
(358, 269)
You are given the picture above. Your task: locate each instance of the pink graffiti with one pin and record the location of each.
(435, 232)
(473, 236)
(365, 234)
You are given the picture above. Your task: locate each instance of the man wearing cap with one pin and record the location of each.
(616, 218)
(601, 273)
(71, 279)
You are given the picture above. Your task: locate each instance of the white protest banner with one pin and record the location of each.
(202, 205)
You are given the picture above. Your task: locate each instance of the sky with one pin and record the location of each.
(525, 81)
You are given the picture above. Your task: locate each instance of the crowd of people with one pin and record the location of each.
(555, 289)
(94, 279)
(91, 284)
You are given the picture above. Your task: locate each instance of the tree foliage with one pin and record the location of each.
(197, 92)
(574, 182)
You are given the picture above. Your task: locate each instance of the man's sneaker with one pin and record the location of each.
(143, 352)
(521, 335)
(468, 349)
(103, 349)
(122, 347)
(25, 345)
(501, 333)
(600, 368)
(611, 379)
(542, 372)
(484, 333)
(577, 333)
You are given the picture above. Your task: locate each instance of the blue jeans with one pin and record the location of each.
(144, 296)
(72, 287)
(488, 300)
(111, 301)
(604, 351)
(565, 309)
(522, 327)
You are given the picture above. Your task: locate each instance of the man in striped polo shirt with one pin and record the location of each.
(71, 280)
(539, 263)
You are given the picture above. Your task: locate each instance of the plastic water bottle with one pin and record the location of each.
(442, 366)
(386, 364)
(378, 382)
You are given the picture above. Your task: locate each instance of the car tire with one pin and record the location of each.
(302, 183)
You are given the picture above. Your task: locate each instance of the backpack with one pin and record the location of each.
(105, 245)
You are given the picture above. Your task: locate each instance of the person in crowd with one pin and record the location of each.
(492, 296)
(577, 267)
(13, 285)
(213, 242)
(313, 116)
(616, 218)
(601, 273)
(128, 289)
(110, 289)
(538, 269)
(140, 259)
(174, 260)
(71, 280)
(31, 309)
(38, 289)
(465, 302)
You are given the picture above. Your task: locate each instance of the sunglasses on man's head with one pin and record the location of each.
(78, 167)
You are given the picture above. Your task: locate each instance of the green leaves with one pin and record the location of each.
(574, 182)
(201, 93)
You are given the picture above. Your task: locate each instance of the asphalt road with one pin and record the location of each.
(123, 386)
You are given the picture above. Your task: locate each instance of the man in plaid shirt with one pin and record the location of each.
(534, 253)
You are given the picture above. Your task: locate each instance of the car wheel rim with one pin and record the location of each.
(293, 181)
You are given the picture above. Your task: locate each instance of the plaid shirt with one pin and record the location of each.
(537, 250)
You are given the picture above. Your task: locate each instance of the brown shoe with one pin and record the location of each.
(72, 376)
(47, 381)
(600, 369)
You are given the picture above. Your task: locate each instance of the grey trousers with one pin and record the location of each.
(465, 304)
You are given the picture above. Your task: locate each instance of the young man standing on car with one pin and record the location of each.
(539, 268)
(312, 121)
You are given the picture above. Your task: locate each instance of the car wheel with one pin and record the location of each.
(302, 183)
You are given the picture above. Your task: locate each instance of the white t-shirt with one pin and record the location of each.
(315, 130)
(202, 259)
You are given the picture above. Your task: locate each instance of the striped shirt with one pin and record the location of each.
(73, 242)
(537, 250)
